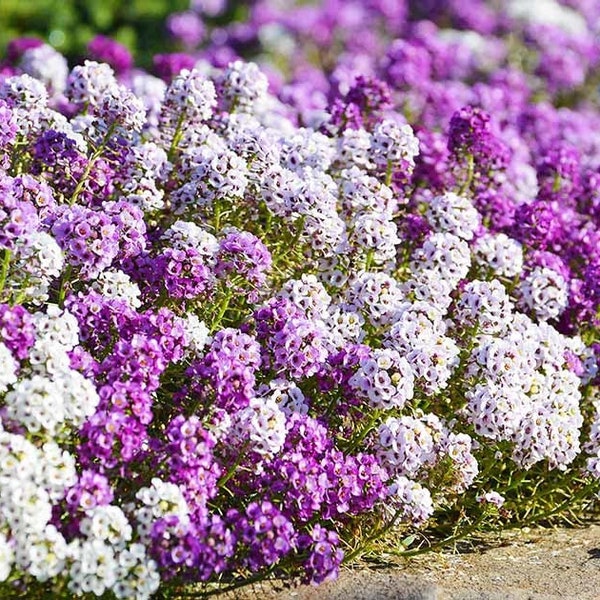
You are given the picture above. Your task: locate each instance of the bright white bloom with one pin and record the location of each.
(485, 306)
(454, 214)
(90, 82)
(444, 253)
(93, 567)
(385, 379)
(412, 498)
(197, 334)
(46, 64)
(185, 234)
(288, 396)
(8, 368)
(500, 253)
(394, 143)
(309, 294)
(43, 555)
(7, 557)
(58, 326)
(263, 424)
(117, 285)
(159, 500)
(107, 523)
(377, 296)
(545, 292)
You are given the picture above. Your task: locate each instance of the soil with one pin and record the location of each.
(526, 564)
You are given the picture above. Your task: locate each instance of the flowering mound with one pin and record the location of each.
(233, 346)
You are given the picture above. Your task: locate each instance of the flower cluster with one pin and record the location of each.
(247, 326)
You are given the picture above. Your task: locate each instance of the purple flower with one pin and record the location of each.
(168, 66)
(18, 216)
(16, 330)
(471, 133)
(104, 49)
(265, 535)
(324, 555)
(186, 27)
(89, 238)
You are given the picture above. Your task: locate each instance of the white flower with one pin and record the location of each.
(8, 368)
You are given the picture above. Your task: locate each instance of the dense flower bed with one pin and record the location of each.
(245, 334)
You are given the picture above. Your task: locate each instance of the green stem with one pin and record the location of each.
(64, 281)
(231, 471)
(446, 541)
(355, 442)
(176, 137)
(377, 534)
(222, 309)
(88, 169)
(388, 173)
(470, 172)
(4, 268)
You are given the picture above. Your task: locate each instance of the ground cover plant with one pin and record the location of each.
(252, 327)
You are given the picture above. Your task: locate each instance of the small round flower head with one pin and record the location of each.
(89, 239)
(17, 330)
(107, 523)
(306, 148)
(242, 254)
(88, 84)
(185, 234)
(28, 99)
(190, 97)
(119, 113)
(49, 66)
(394, 144)
(444, 253)
(375, 295)
(57, 326)
(18, 217)
(156, 501)
(471, 134)
(36, 403)
(288, 396)
(93, 568)
(453, 214)
(117, 285)
(375, 235)
(500, 253)
(324, 557)
(545, 292)
(38, 261)
(427, 286)
(412, 499)
(266, 532)
(362, 193)
(385, 379)
(353, 149)
(242, 86)
(196, 334)
(407, 445)
(308, 294)
(344, 326)
(484, 305)
(262, 424)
